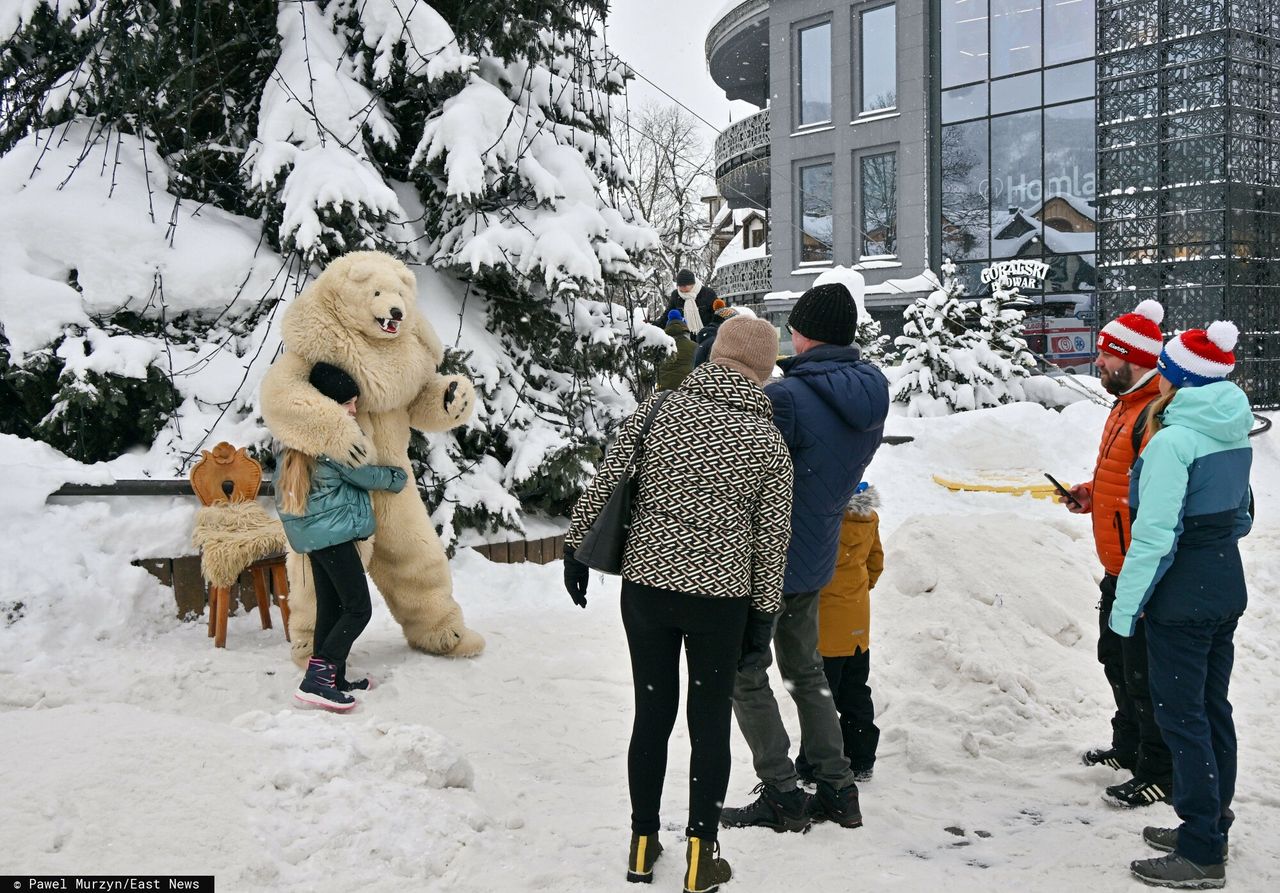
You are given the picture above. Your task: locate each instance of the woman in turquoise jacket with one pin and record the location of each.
(1190, 497)
(325, 507)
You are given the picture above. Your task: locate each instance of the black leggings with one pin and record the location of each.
(658, 622)
(342, 601)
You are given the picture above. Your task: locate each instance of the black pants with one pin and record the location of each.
(1134, 733)
(847, 677)
(658, 622)
(342, 601)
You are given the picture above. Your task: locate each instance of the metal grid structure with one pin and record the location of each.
(1189, 170)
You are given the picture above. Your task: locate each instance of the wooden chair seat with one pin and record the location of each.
(235, 535)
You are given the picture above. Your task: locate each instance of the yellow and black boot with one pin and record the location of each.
(705, 871)
(645, 850)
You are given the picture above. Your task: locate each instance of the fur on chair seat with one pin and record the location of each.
(232, 536)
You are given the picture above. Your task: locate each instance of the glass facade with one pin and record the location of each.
(814, 100)
(878, 197)
(1017, 162)
(878, 60)
(815, 213)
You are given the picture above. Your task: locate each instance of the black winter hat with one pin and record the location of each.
(333, 382)
(826, 313)
(685, 277)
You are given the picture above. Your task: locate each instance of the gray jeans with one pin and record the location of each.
(795, 642)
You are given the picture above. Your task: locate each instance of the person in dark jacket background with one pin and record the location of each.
(674, 368)
(1183, 575)
(706, 338)
(830, 407)
(698, 310)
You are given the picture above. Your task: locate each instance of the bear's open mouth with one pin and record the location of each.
(390, 326)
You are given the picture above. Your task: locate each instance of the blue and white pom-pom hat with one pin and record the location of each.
(1200, 356)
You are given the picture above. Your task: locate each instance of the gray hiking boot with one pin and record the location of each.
(1166, 840)
(1176, 871)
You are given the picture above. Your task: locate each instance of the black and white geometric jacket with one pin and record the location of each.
(712, 515)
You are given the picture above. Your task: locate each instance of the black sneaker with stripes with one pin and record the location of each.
(1138, 792)
(1106, 756)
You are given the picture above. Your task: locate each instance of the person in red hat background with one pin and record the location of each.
(1127, 350)
(1183, 576)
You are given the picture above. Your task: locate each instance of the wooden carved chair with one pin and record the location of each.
(235, 534)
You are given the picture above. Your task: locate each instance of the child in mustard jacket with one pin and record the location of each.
(844, 624)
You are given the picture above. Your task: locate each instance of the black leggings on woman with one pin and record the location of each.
(342, 601)
(658, 622)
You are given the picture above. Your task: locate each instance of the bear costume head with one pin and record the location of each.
(361, 314)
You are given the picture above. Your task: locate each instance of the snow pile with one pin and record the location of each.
(996, 658)
(293, 796)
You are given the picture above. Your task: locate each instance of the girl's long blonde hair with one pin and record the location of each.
(293, 481)
(1155, 408)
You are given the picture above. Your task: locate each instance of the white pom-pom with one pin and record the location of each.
(1223, 334)
(1152, 310)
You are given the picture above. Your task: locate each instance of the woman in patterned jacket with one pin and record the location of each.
(708, 541)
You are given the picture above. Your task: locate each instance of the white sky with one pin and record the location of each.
(663, 40)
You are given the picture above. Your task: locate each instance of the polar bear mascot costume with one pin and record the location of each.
(361, 314)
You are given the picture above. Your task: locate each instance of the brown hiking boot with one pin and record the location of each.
(645, 850)
(705, 871)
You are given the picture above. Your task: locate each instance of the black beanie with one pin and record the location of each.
(826, 313)
(685, 277)
(333, 382)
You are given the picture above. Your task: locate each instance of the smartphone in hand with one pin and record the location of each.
(1065, 493)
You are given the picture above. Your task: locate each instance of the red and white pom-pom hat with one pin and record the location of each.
(1135, 336)
(1200, 356)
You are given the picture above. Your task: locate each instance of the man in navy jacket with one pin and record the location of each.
(830, 407)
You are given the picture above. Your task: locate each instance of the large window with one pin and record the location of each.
(965, 227)
(1015, 36)
(879, 200)
(1068, 30)
(815, 213)
(815, 75)
(1017, 164)
(964, 41)
(1016, 186)
(879, 59)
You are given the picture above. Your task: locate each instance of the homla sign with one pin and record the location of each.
(1015, 275)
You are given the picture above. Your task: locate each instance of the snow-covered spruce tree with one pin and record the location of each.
(469, 136)
(874, 346)
(940, 373)
(1000, 348)
(135, 69)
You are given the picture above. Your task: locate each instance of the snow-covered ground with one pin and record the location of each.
(131, 745)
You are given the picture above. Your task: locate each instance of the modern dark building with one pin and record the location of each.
(1189, 169)
(1120, 149)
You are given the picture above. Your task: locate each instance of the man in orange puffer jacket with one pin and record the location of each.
(1127, 350)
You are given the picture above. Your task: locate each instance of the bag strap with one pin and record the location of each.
(644, 430)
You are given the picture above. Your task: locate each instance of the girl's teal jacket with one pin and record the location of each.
(339, 508)
(1189, 495)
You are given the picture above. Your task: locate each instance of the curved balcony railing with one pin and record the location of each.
(744, 280)
(742, 162)
(742, 141)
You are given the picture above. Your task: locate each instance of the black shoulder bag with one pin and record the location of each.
(606, 539)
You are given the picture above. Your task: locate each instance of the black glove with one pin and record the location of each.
(575, 578)
(756, 639)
